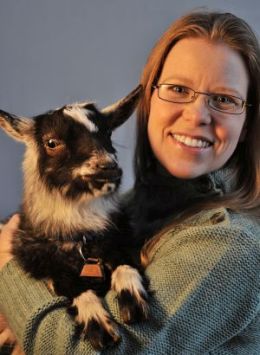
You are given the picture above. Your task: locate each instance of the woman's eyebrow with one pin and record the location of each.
(226, 90)
(175, 80)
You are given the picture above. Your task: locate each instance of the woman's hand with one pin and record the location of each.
(6, 239)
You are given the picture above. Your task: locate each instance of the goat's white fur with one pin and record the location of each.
(89, 166)
(80, 115)
(127, 278)
(58, 214)
(90, 308)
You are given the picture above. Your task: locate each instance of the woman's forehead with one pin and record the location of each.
(197, 61)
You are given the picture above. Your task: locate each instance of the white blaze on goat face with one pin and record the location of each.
(80, 114)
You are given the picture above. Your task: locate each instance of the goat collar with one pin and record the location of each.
(92, 267)
(88, 237)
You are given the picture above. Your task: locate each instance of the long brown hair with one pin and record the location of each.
(245, 162)
(233, 31)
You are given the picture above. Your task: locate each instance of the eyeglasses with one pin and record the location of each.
(220, 102)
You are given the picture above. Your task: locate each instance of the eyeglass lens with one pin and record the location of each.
(220, 102)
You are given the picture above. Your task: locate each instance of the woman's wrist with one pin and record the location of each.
(6, 236)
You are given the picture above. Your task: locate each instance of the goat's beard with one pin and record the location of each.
(95, 184)
(61, 211)
(82, 187)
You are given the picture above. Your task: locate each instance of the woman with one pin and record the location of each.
(198, 159)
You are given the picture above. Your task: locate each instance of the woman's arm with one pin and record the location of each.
(39, 318)
(207, 284)
(206, 298)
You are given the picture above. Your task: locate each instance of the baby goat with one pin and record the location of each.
(72, 230)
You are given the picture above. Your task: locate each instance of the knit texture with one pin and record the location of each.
(205, 274)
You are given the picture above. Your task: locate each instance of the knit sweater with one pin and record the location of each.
(205, 278)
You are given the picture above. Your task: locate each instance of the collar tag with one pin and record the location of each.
(92, 268)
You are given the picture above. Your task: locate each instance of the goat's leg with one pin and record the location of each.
(94, 321)
(132, 293)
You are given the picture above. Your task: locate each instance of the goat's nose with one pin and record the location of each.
(107, 165)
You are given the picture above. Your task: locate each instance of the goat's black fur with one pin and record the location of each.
(70, 164)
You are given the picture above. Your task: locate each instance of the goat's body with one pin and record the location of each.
(55, 255)
(48, 253)
(53, 230)
(70, 214)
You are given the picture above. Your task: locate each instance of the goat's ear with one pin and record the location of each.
(120, 111)
(20, 128)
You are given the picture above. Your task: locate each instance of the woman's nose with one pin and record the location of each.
(197, 111)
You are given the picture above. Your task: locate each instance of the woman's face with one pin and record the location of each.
(192, 139)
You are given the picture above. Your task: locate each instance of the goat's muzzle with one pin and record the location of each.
(105, 175)
(105, 179)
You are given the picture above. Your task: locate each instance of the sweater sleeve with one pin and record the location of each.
(37, 317)
(205, 284)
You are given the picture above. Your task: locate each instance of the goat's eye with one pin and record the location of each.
(52, 143)
(54, 146)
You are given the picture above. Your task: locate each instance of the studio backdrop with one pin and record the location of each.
(55, 52)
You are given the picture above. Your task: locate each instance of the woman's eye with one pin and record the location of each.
(178, 89)
(225, 100)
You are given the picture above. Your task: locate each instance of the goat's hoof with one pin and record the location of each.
(132, 308)
(93, 321)
(100, 335)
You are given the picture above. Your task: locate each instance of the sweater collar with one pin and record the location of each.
(217, 182)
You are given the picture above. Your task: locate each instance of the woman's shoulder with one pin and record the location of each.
(221, 221)
(211, 249)
(216, 231)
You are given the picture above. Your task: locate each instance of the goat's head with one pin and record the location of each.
(70, 148)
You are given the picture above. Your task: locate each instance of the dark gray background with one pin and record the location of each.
(60, 51)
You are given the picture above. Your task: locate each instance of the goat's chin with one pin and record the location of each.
(103, 187)
(88, 190)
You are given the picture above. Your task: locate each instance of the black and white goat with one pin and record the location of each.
(72, 231)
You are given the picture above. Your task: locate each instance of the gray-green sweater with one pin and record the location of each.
(205, 275)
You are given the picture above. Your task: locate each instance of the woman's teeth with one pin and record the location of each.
(191, 142)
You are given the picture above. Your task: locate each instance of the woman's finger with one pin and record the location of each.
(13, 223)
(6, 236)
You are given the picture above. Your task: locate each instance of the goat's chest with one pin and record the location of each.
(93, 245)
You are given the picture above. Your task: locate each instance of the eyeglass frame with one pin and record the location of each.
(196, 93)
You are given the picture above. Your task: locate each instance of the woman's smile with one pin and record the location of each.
(192, 138)
(191, 141)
